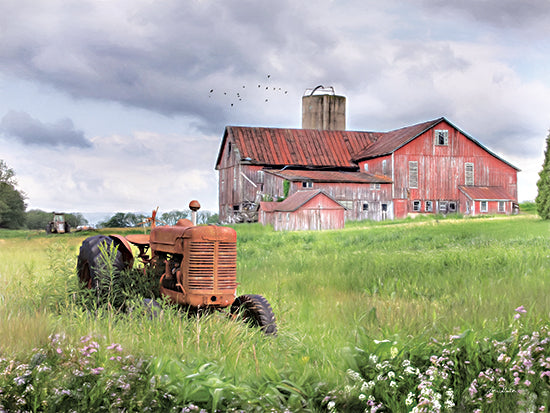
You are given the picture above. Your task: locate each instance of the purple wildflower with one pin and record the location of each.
(97, 370)
(115, 346)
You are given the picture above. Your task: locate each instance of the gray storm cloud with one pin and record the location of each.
(30, 131)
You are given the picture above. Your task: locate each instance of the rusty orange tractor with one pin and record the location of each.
(196, 267)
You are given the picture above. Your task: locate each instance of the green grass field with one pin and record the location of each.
(394, 316)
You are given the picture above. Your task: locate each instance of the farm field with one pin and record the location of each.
(413, 315)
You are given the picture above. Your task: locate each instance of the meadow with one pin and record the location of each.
(413, 315)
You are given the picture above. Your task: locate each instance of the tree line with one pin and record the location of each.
(129, 219)
(13, 213)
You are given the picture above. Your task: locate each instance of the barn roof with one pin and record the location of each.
(296, 200)
(486, 193)
(391, 141)
(311, 148)
(297, 147)
(330, 176)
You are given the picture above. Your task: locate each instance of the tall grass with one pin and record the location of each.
(414, 283)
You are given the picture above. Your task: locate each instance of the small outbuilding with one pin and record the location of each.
(480, 200)
(303, 210)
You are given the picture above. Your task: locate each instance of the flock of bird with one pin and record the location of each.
(236, 97)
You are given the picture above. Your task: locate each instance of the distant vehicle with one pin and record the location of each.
(58, 225)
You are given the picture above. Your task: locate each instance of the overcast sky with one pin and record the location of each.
(121, 105)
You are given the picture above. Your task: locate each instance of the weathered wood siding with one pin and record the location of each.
(441, 169)
(363, 201)
(320, 213)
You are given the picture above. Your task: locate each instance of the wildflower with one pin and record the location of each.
(519, 311)
(19, 380)
(115, 346)
(97, 370)
(410, 399)
(473, 388)
(527, 383)
(362, 397)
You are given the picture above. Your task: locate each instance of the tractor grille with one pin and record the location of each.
(212, 266)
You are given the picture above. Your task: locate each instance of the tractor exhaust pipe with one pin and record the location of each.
(194, 206)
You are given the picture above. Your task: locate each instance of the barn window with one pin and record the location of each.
(441, 137)
(365, 206)
(375, 186)
(366, 167)
(347, 204)
(307, 184)
(452, 206)
(429, 206)
(413, 174)
(384, 167)
(228, 150)
(469, 174)
(501, 206)
(416, 206)
(483, 206)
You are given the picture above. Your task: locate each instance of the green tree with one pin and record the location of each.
(170, 218)
(12, 201)
(543, 184)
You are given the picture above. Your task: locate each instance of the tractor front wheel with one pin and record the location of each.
(255, 310)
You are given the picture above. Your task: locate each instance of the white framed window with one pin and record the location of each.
(441, 137)
(483, 206)
(366, 167)
(469, 174)
(416, 206)
(452, 206)
(429, 206)
(413, 174)
(365, 206)
(307, 184)
(375, 187)
(501, 206)
(384, 167)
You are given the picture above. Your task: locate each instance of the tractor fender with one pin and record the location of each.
(125, 248)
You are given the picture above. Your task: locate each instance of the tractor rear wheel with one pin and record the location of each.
(256, 311)
(89, 266)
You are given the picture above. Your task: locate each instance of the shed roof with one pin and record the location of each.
(330, 176)
(296, 200)
(485, 193)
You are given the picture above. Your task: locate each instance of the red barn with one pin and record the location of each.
(427, 168)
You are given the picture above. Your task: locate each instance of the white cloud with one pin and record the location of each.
(120, 91)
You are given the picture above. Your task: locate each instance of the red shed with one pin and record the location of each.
(303, 210)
